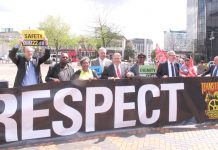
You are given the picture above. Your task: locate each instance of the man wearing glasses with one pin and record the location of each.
(135, 68)
(169, 68)
(61, 71)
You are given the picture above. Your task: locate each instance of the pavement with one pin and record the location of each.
(183, 137)
(186, 137)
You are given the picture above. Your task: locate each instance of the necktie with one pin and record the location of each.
(118, 73)
(215, 72)
(172, 68)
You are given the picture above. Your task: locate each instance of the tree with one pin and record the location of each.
(129, 52)
(57, 31)
(153, 54)
(105, 33)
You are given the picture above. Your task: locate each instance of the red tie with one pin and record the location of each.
(118, 73)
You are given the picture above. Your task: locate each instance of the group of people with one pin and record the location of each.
(29, 73)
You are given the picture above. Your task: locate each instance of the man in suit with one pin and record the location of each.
(213, 70)
(168, 68)
(101, 60)
(116, 70)
(135, 68)
(28, 68)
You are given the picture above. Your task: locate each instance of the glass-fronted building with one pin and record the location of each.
(202, 28)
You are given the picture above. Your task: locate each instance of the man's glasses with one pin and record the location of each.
(65, 57)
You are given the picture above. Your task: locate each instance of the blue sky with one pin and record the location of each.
(136, 18)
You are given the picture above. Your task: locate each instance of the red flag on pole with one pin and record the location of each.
(160, 55)
(191, 63)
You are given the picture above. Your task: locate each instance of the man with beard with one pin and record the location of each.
(61, 71)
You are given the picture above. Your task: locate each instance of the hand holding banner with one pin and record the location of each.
(34, 38)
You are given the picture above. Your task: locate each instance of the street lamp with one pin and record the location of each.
(212, 37)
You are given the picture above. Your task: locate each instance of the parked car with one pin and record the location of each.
(53, 58)
(210, 63)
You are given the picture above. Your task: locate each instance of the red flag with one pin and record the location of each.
(191, 63)
(160, 54)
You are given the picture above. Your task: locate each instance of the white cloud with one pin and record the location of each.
(136, 18)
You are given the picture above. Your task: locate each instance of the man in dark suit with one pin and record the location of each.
(213, 70)
(116, 70)
(168, 68)
(28, 68)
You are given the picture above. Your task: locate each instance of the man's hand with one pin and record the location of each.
(56, 80)
(165, 76)
(46, 41)
(20, 41)
(129, 75)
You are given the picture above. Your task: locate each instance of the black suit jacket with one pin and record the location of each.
(209, 71)
(111, 72)
(22, 62)
(163, 69)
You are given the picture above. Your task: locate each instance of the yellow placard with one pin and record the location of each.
(36, 35)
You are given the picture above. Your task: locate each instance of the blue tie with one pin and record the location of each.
(172, 68)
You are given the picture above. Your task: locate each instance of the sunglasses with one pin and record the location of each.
(141, 57)
(65, 57)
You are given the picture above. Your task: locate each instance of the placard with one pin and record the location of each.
(33, 37)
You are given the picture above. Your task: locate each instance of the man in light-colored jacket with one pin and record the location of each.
(101, 60)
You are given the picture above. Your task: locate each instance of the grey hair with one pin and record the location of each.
(84, 59)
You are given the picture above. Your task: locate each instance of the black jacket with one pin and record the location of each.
(22, 62)
(163, 69)
(53, 73)
(209, 71)
(111, 72)
(77, 74)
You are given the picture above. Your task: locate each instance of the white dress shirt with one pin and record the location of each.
(102, 63)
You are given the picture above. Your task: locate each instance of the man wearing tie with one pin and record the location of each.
(116, 70)
(28, 67)
(168, 68)
(213, 70)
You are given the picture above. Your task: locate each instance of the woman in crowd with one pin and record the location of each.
(85, 73)
(187, 70)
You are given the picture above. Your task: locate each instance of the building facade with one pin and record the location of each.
(175, 40)
(202, 28)
(143, 46)
(6, 36)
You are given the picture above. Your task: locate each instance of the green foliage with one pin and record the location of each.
(153, 55)
(57, 31)
(129, 52)
(105, 33)
(13, 42)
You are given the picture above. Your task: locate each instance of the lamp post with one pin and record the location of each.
(211, 43)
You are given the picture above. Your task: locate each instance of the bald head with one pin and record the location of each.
(64, 58)
(216, 60)
(28, 52)
(102, 52)
(171, 55)
(116, 58)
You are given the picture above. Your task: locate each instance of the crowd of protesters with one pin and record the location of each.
(29, 73)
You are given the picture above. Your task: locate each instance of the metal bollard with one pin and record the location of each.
(3, 84)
